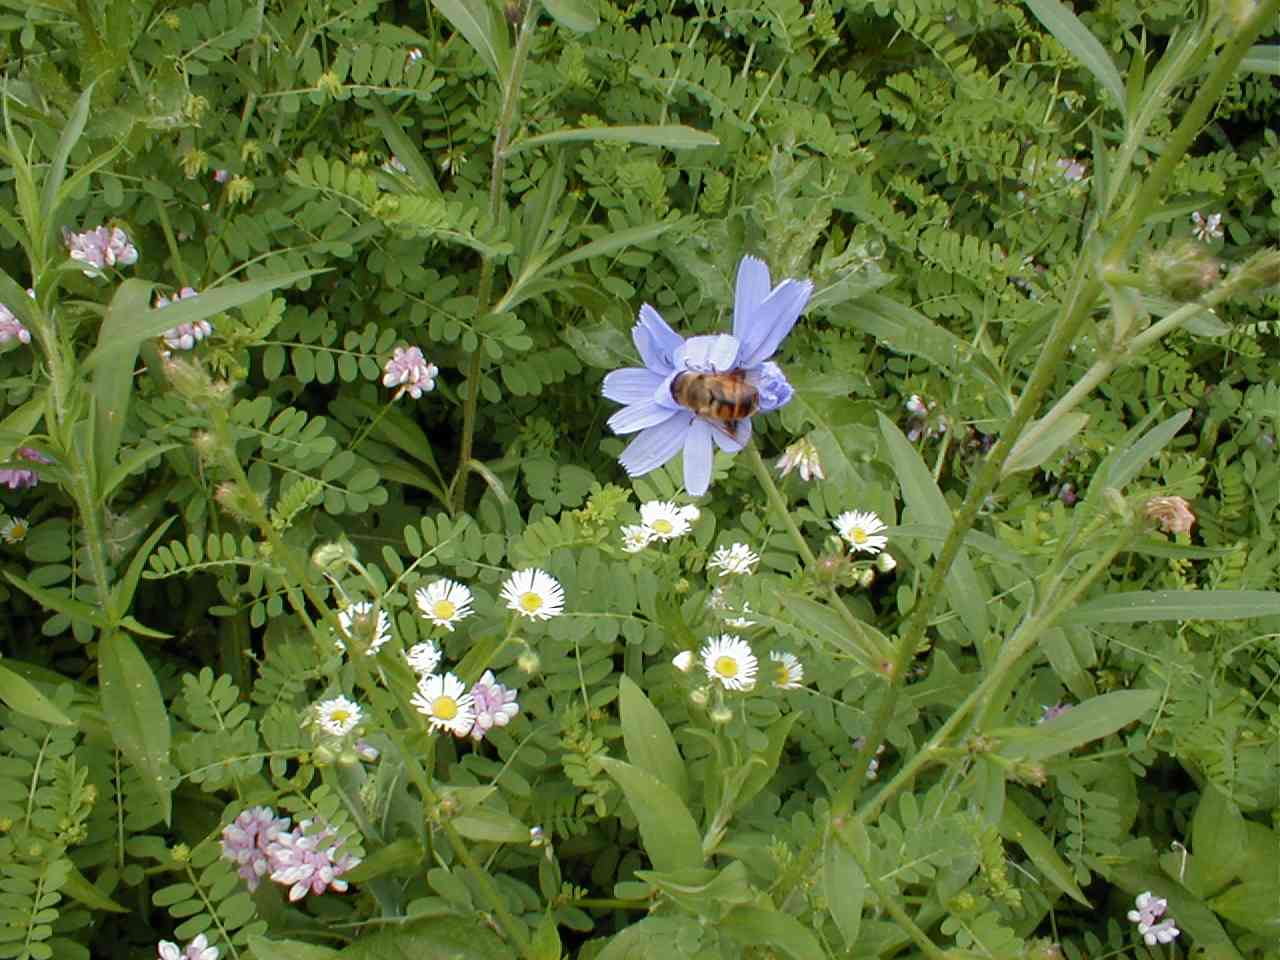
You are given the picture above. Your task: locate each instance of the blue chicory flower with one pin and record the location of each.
(762, 316)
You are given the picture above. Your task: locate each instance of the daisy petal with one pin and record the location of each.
(637, 416)
(752, 287)
(654, 446)
(698, 456)
(655, 340)
(764, 327)
(631, 385)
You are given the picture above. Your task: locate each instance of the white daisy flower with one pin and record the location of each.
(729, 661)
(338, 716)
(737, 558)
(357, 617)
(683, 661)
(444, 603)
(664, 519)
(788, 671)
(861, 530)
(14, 530)
(534, 594)
(423, 658)
(636, 537)
(444, 701)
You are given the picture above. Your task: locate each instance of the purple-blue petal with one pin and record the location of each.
(698, 454)
(655, 340)
(714, 353)
(772, 386)
(764, 327)
(638, 416)
(732, 442)
(654, 446)
(631, 385)
(752, 287)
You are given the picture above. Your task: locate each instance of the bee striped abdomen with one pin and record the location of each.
(717, 396)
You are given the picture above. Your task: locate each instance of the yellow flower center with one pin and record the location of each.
(859, 535)
(783, 675)
(727, 667)
(445, 708)
(444, 610)
(340, 716)
(662, 526)
(530, 602)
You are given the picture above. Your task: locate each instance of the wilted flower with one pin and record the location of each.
(11, 327)
(14, 530)
(663, 519)
(444, 701)
(337, 716)
(221, 176)
(409, 370)
(444, 603)
(358, 616)
(636, 537)
(197, 949)
(1173, 514)
(17, 478)
(366, 751)
(394, 165)
(802, 454)
(735, 559)
(308, 862)
(861, 530)
(100, 248)
(729, 661)
(1207, 228)
(495, 705)
(245, 841)
(788, 671)
(423, 658)
(762, 316)
(534, 594)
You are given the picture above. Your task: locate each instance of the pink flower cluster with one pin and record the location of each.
(408, 369)
(11, 327)
(197, 949)
(305, 859)
(495, 705)
(17, 478)
(1147, 913)
(185, 335)
(100, 248)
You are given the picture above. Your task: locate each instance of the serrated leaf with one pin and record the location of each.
(135, 713)
(1146, 606)
(1075, 36)
(648, 739)
(667, 828)
(1081, 724)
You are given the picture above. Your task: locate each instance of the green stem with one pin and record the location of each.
(511, 98)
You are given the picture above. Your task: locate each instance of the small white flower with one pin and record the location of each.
(683, 661)
(737, 558)
(444, 701)
(1149, 908)
(423, 658)
(690, 513)
(408, 369)
(1206, 229)
(534, 594)
(168, 950)
(729, 661)
(14, 530)
(636, 537)
(357, 615)
(664, 520)
(1163, 932)
(338, 716)
(444, 603)
(861, 530)
(788, 672)
(802, 454)
(415, 54)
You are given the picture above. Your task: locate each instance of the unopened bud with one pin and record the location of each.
(529, 662)
(235, 501)
(190, 380)
(698, 696)
(885, 562)
(333, 557)
(721, 715)
(866, 578)
(683, 661)
(1259, 274)
(1185, 270)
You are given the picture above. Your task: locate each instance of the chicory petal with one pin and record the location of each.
(766, 325)
(631, 385)
(655, 340)
(654, 446)
(698, 455)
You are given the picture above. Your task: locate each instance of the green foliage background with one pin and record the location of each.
(912, 159)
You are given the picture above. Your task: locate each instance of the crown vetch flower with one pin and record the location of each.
(495, 705)
(245, 841)
(15, 478)
(100, 248)
(185, 335)
(762, 316)
(1206, 228)
(197, 949)
(1149, 908)
(408, 369)
(11, 327)
(306, 860)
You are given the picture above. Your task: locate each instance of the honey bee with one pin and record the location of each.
(723, 397)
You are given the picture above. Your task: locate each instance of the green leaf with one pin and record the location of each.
(1075, 36)
(490, 826)
(1029, 456)
(132, 463)
(113, 377)
(610, 243)
(57, 169)
(752, 926)
(1145, 606)
(135, 713)
(1253, 905)
(481, 27)
(1017, 827)
(648, 739)
(1084, 722)
(764, 763)
(61, 603)
(546, 939)
(18, 425)
(966, 592)
(404, 147)
(78, 887)
(24, 697)
(1218, 842)
(673, 136)
(1262, 58)
(982, 542)
(845, 889)
(1130, 456)
(825, 629)
(581, 16)
(670, 836)
(706, 894)
(289, 949)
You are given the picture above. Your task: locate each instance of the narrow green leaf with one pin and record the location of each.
(673, 136)
(134, 710)
(826, 629)
(289, 949)
(648, 739)
(845, 889)
(966, 592)
(60, 603)
(479, 25)
(670, 836)
(133, 462)
(1145, 606)
(1017, 827)
(1075, 36)
(764, 763)
(581, 16)
(752, 926)
(113, 376)
(78, 887)
(1130, 457)
(1081, 724)
(125, 587)
(24, 697)
(610, 243)
(1262, 58)
(18, 425)
(57, 169)
(404, 147)
(1029, 456)
(982, 542)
